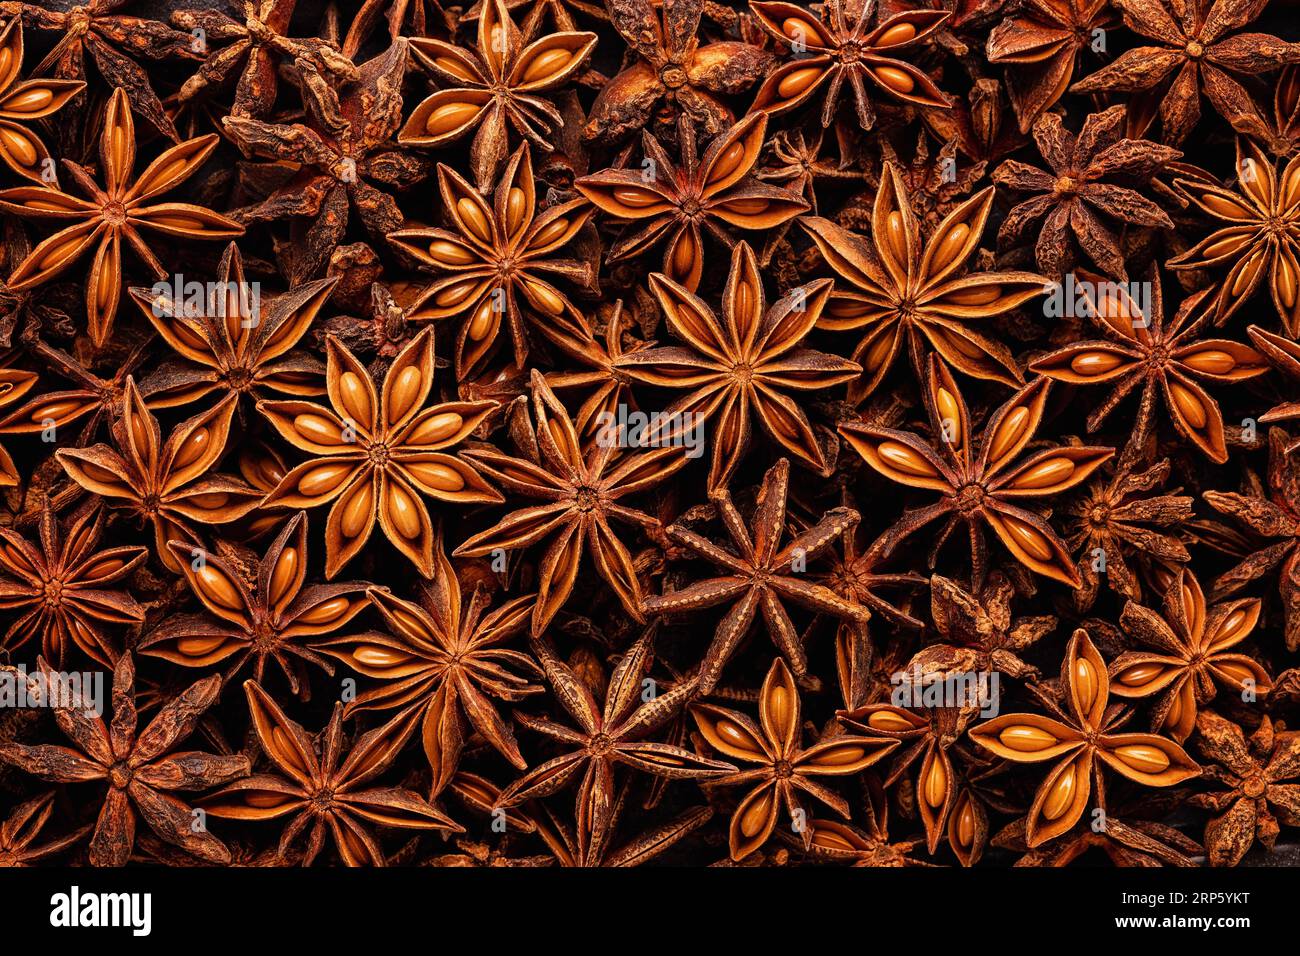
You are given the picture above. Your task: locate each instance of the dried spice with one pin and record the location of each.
(742, 433)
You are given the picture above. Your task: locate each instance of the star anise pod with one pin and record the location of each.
(1137, 843)
(327, 790)
(977, 631)
(447, 655)
(254, 47)
(495, 88)
(257, 613)
(1271, 511)
(375, 451)
(610, 386)
(906, 295)
(924, 734)
(785, 770)
(673, 73)
(836, 842)
(740, 368)
(796, 164)
(233, 343)
(854, 574)
(1089, 191)
(678, 202)
(21, 828)
(117, 212)
(841, 47)
(23, 101)
(561, 13)
(64, 589)
(1284, 355)
(95, 398)
(1190, 644)
(1082, 733)
(1260, 238)
(760, 575)
(411, 18)
(14, 384)
(581, 488)
(1279, 131)
(1198, 49)
(984, 488)
(1115, 520)
(607, 737)
(1042, 45)
(572, 850)
(1258, 772)
(114, 41)
(140, 767)
(168, 483)
(343, 152)
(1165, 358)
(497, 256)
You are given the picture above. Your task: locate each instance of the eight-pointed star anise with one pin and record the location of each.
(984, 488)
(1082, 734)
(1189, 653)
(1198, 50)
(375, 451)
(140, 767)
(786, 770)
(1041, 44)
(760, 575)
(607, 737)
(64, 590)
(581, 487)
(847, 49)
(1115, 521)
(496, 255)
(1088, 193)
(739, 368)
(1165, 359)
(327, 790)
(258, 610)
(169, 484)
(674, 72)
(1262, 774)
(905, 294)
(117, 212)
(446, 655)
(1259, 240)
(673, 202)
(231, 341)
(494, 88)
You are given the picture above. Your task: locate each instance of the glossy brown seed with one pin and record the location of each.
(897, 80)
(1142, 757)
(1061, 795)
(436, 475)
(899, 456)
(1026, 738)
(1189, 405)
(797, 81)
(1051, 471)
(1095, 363)
(889, 722)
